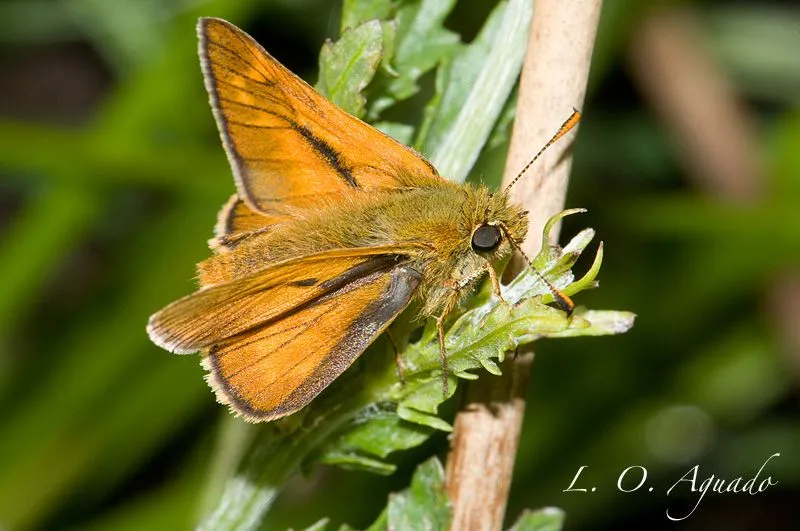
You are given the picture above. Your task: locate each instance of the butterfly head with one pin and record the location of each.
(496, 226)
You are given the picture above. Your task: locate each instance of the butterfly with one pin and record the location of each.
(334, 230)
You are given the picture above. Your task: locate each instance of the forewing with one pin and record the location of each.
(288, 145)
(278, 368)
(213, 314)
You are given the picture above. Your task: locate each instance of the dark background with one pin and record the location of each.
(111, 174)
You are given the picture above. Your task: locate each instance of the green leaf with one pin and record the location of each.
(359, 462)
(454, 79)
(420, 43)
(455, 150)
(356, 12)
(347, 66)
(389, 43)
(321, 525)
(360, 445)
(380, 524)
(501, 134)
(488, 169)
(401, 132)
(424, 505)
(40, 237)
(547, 519)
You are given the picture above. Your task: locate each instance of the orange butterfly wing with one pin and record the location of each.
(276, 338)
(216, 313)
(278, 368)
(236, 222)
(289, 147)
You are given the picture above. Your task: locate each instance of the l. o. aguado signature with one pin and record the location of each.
(634, 478)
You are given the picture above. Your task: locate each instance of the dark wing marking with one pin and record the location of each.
(286, 143)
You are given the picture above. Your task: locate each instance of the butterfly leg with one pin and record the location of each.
(442, 352)
(397, 359)
(495, 281)
(457, 287)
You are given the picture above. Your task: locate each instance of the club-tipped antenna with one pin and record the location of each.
(571, 122)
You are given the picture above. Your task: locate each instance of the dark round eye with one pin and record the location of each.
(486, 238)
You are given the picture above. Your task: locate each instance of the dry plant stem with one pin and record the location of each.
(783, 301)
(554, 76)
(715, 130)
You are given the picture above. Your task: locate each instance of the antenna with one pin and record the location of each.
(571, 122)
(559, 297)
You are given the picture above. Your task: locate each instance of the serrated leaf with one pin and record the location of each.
(484, 332)
(347, 66)
(599, 323)
(491, 367)
(423, 418)
(547, 519)
(424, 506)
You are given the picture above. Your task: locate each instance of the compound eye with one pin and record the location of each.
(486, 238)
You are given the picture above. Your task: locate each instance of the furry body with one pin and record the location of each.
(433, 224)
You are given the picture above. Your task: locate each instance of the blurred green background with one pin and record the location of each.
(111, 174)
